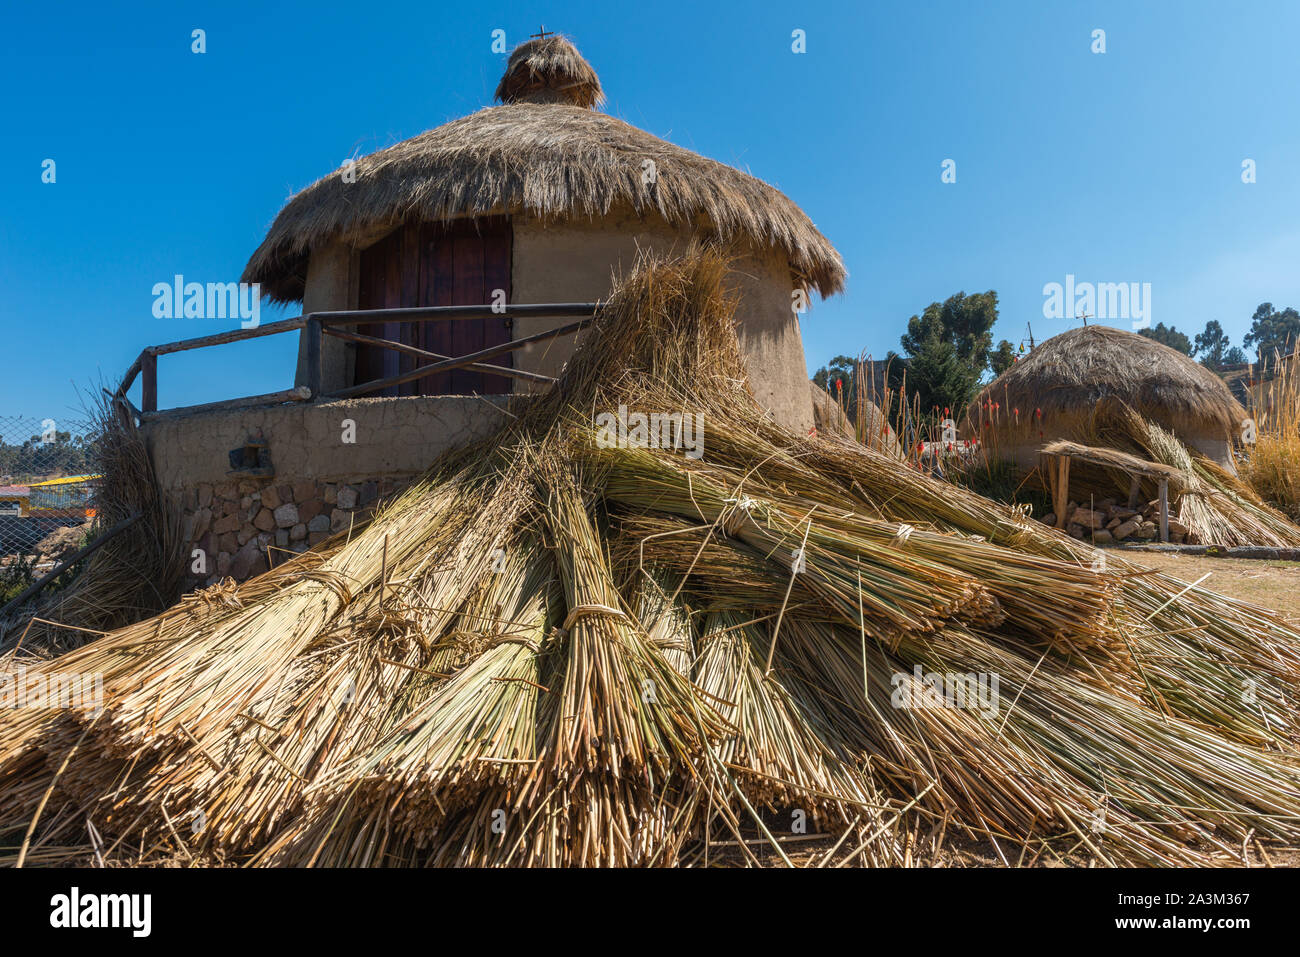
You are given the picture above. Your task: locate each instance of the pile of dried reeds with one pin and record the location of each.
(558, 650)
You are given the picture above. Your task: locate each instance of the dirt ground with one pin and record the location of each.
(1272, 584)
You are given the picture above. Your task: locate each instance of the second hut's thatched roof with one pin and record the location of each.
(545, 151)
(1069, 375)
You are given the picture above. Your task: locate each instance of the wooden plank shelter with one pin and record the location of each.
(1060, 452)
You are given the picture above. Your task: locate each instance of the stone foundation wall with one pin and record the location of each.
(241, 528)
(242, 525)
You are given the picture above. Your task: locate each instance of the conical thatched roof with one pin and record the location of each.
(1071, 374)
(546, 153)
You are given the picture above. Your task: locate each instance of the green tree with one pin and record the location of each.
(948, 348)
(1168, 336)
(1270, 329)
(1212, 346)
(1003, 357)
(938, 375)
(838, 378)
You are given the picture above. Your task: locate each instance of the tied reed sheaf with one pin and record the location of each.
(555, 652)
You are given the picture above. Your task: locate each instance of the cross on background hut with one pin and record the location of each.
(541, 35)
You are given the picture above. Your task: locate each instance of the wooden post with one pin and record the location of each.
(1061, 493)
(1164, 510)
(314, 372)
(149, 382)
(1134, 486)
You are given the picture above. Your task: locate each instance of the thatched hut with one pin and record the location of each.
(543, 199)
(1054, 391)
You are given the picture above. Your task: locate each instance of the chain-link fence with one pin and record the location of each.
(47, 485)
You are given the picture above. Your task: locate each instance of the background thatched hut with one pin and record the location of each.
(547, 199)
(1053, 392)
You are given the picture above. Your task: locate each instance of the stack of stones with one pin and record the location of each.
(243, 527)
(1105, 522)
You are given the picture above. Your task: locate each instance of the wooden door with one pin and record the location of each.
(461, 263)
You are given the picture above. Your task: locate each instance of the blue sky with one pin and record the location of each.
(1115, 167)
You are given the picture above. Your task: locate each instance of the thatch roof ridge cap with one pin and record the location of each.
(549, 69)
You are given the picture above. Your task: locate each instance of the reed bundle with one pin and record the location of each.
(552, 652)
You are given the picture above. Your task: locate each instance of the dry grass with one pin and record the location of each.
(1272, 464)
(1269, 584)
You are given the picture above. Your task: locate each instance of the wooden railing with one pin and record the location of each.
(320, 324)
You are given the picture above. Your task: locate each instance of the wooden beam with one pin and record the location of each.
(412, 350)
(1164, 510)
(552, 310)
(1134, 486)
(149, 383)
(297, 394)
(314, 371)
(129, 378)
(1061, 489)
(474, 357)
(126, 412)
(231, 335)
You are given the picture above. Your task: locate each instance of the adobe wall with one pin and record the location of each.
(576, 261)
(1218, 450)
(393, 436)
(333, 279)
(770, 340)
